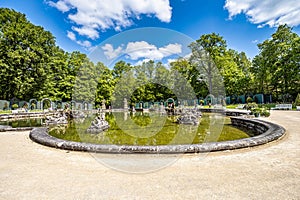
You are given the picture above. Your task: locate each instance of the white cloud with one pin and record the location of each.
(171, 49)
(71, 35)
(142, 50)
(110, 52)
(60, 5)
(92, 33)
(86, 44)
(272, 13)
(171, 60)
(94, 16)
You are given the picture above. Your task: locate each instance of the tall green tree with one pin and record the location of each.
(277, 67)
(222, 69)
(120, 68)
(206, 52)
(85, 87)
(124, 88)
(106, 85)
(192, 75)
(163, 82)
(25, 51)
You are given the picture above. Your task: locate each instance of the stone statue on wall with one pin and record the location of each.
(103, 106)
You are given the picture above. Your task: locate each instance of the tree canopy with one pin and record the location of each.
(277, 67)
(33, 66)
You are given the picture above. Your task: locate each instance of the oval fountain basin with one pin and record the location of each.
(171, 137)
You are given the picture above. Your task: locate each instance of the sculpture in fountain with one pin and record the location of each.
(99, 124)
(58, 118)
(76, 114)
(189, 116)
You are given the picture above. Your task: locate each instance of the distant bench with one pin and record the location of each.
(283, 107)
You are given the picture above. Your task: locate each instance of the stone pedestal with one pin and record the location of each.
(103, 106)
(125, 104)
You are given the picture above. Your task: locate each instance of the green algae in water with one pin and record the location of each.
(150, 129)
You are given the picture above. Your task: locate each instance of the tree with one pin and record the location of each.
(120, 68)
(124, 88)
(220, 68)
(205, 54)
(106, 84)
(245, 83)
(277, 67)
(57, 82)
(25, 50)
(162, 79)
(234, 68)
(85, 87)
(192, 75)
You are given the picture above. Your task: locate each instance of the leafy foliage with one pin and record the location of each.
(32, 66)
(277, 67)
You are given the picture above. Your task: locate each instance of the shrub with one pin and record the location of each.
(251, 106)
(260, 112)
(266, 113)
(297, 101)
(249, 100)
(15, 106)
(201, 102)
(32, 107)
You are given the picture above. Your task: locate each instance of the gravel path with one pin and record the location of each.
(32, 171)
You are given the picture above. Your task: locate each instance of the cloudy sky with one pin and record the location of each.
(89, 25)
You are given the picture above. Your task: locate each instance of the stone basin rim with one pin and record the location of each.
(269, 132)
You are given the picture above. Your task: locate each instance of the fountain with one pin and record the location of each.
(58, 118)
(179, 132)
(99, 124)
(77, 114)
(187, 118)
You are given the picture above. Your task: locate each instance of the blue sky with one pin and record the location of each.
(87, 24)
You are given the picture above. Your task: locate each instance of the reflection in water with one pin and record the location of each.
(151, 129)
(16, 123)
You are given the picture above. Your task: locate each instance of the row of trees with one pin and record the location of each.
(33, 66)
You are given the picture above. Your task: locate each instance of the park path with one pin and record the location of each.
(32, 171)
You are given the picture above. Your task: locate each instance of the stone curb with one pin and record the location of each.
(23, 115)
(265, 132)
(16, 129)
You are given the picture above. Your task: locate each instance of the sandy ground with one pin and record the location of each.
(272, 171)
